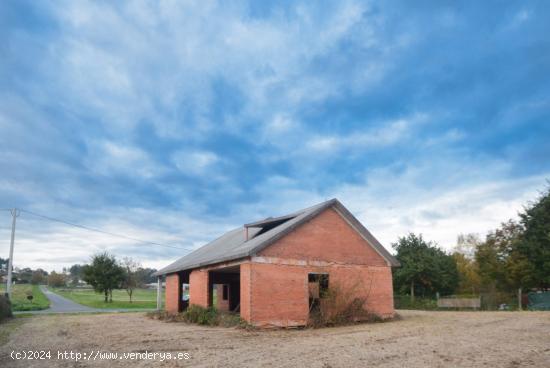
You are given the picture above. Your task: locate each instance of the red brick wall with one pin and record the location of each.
(374, 284)
(171, 293)
(279, 275)
(327, 237)
(274, 285)
(245, 270)
(279, 292)
(221, 304)
(278, 295)
(198, 288)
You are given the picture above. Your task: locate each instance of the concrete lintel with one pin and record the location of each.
(305, 263)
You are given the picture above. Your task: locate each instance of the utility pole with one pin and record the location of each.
(14, 214)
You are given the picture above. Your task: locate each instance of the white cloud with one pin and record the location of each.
(112, 158)
(160, 66)
(388, 133)
(123, 65)
(280, 124)
(50, 245)
(395, 204)
(438, 198)
(389, 203)
(195, 162)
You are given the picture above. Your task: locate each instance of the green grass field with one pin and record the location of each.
(19, 299)
(142, 298)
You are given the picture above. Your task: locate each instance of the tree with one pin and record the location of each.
(75, 273)
(533, 246)
(56, 279)
(464, 256)
(500, 266)
(131, 276)
(466, 244)
(104, 274)
(24, 275)
(490, 265)
(145, 275)
(3, 266)
(424, 267)
(39, 276)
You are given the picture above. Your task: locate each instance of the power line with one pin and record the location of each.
(102, 231)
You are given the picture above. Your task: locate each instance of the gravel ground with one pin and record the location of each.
(418, 339)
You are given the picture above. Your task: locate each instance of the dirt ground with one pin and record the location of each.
(419, 339)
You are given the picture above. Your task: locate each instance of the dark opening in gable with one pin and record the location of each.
(268, 224)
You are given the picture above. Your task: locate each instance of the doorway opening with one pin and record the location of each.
(318, 289)
(225, 289)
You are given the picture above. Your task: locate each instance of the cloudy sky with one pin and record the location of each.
(175, 121)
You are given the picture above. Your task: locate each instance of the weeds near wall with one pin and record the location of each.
(338, 306)
(342, 305)
(201, 316)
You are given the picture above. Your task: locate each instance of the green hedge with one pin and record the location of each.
(404, 302)
(5, 308)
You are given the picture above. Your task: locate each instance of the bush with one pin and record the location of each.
(5, 308)
(340, 306)
(419, 303)
(202, 316)
(56, 279)
(492, 300)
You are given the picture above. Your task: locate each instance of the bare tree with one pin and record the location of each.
(131, 279)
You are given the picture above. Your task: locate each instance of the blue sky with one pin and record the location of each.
(175, 121)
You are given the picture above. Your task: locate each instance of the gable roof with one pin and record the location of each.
(234, 244)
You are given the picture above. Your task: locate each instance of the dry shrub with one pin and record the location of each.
(341, 305)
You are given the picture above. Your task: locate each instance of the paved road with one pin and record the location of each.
(59, 304)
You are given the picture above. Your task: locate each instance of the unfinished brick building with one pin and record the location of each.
(271, 270)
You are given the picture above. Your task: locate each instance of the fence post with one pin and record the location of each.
(519, 299)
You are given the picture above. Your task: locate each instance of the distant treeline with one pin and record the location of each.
(69, 276)
(516, 255)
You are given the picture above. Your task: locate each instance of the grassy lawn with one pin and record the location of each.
(19, 299)
(142, 298)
